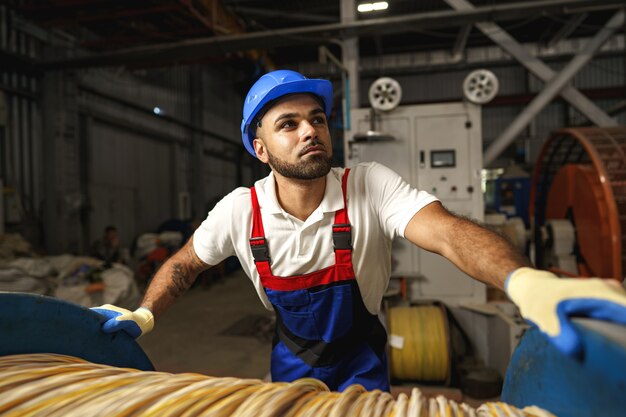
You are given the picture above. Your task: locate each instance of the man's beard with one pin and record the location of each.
(317, 166)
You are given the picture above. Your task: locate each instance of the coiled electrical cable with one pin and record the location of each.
(56, 385)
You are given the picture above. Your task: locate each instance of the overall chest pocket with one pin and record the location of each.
(315, 315)
(294, 309)
(332, 309)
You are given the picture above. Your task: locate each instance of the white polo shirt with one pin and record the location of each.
(380, 205)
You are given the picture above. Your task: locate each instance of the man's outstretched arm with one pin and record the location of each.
(176, 275)
(476, 250)
(171, 280)
(544, 299)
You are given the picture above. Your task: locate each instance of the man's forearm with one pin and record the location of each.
(477, 251)
(173, 279)
(483, 254)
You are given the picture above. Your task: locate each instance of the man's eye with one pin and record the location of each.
(319, 121)
(287, 124)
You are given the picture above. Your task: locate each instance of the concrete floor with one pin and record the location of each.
(187, 337)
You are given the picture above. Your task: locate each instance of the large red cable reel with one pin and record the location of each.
(580, 175)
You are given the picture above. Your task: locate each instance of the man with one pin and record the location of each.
(316, 243)
(108, 248)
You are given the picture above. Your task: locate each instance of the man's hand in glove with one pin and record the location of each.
(135, 323)
(549, 301)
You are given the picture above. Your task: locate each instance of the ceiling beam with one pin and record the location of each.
(311, 17)
(208, 16)
(12, 62)
(36, 6)
(142, 37)
(552, 89)
(180, 51)
(211, 12)
(461, 41)
(567, 29)
(99, 16)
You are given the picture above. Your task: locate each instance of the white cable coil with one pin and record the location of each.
(57, 385)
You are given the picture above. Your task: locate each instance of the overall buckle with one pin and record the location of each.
(342, 236)
(259, 248)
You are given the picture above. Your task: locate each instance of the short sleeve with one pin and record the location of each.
(213, 240)
(395, 200)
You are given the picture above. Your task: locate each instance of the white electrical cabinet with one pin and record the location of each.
(436, 148)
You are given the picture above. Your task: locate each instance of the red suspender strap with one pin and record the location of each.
(257, 222)
(342, 231)
(258, 244)
(341, 216)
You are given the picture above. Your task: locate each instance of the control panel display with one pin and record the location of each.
(443, 159)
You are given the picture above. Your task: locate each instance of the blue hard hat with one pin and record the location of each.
(274, 85)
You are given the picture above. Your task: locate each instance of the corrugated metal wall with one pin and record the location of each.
(171, 97)
(222, 112)
(495, 120)
(133, 155)
(130, 181)
(20, 124)
(163, 159)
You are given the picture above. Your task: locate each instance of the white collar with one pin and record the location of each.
(332, 201)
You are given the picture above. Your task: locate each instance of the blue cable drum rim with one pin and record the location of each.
(540, 375)
(39, 324)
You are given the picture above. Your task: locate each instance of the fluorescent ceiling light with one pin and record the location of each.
(369, 7)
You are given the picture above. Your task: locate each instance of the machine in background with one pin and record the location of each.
(509, 194)
(436, 148)
(578, 203)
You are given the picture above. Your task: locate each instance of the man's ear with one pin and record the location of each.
(259, 148)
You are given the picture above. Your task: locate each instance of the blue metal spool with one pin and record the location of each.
(38, 324)
(568, 387)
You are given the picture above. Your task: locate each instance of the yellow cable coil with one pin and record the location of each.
(419, 343)
(56, 385)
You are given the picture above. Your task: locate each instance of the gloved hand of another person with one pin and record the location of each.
(135, 323)
(549, 301)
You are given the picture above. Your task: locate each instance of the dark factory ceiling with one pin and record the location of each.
(281, 32)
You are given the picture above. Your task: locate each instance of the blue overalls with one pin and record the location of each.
(323, 329)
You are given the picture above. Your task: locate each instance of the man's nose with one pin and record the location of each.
(306, 130)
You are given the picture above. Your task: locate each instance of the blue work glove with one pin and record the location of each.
(135, 323)
(548, 302)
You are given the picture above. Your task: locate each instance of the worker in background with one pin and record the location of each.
(108, 248)
(316, 243)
